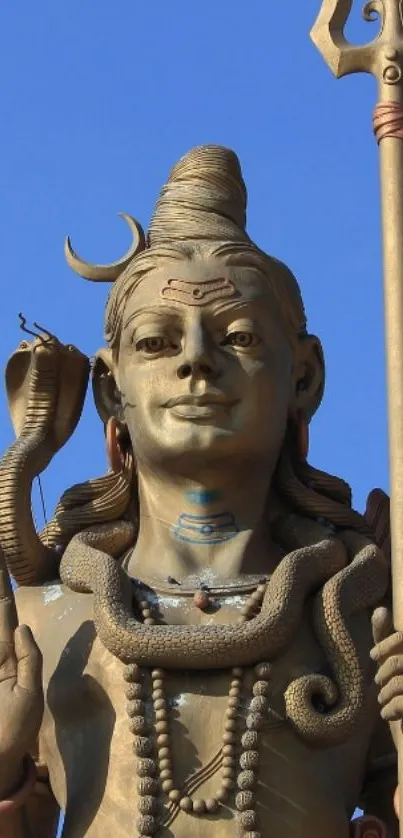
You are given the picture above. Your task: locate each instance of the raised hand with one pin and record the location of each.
(21, 692)
(388, 654)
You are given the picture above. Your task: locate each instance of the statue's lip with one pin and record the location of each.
(206, 399)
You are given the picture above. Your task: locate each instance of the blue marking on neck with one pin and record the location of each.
(205, 529)
(203, 497)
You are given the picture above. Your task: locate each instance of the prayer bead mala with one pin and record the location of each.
(154, 758)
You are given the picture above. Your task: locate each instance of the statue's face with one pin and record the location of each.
(205, 369)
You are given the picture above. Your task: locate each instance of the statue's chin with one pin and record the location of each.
(189, 446)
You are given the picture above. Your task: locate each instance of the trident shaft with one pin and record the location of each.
(383, 58)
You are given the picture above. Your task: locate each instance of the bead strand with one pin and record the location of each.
(245, 799)
(148, 786)
(156, 774)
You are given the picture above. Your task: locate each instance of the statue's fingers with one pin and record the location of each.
(8, 612)
(390, 668)
(29, 661)
(382, 623)
(392, 645)
(393, 689)
(393, 712)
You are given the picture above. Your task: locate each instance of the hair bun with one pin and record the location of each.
(204, 199)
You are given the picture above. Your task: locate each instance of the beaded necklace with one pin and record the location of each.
(152, 744)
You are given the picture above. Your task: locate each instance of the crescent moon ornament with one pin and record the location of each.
(107, 273)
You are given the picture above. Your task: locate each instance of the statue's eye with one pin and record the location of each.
(152, 345)
(241, 340)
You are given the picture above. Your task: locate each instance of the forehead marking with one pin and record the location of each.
(198, 293)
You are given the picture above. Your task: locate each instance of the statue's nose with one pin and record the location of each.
(198, 356)
(201, 368)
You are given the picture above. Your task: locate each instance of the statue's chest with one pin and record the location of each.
(189, 730)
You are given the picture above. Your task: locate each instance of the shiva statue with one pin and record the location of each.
(200, 642)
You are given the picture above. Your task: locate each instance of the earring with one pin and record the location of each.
(115, 454)
(302, 437)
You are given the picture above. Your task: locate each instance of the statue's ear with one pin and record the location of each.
(106, 391)
(309, 376)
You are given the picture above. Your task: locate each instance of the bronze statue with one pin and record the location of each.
(206, 610)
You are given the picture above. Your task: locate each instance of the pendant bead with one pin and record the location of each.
(162, 727)
(142, 746)
(146, 768)
(260, 688)
(263, 671)
(147, 785)
(133, 692)
(227, 782)
(249, 819)
(167, 786)
(259, 704)
(148, 805)
(147, 825)
(254, 721)
(201, 600)
(245, 800)
(157, 694)
(250, 739)
(165, 763)
(249, 760)
(212, 805)
(138, 725)
(158, 674)
(246, 780)
(135, 707)
(132, 673)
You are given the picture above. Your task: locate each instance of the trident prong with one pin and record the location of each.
(379, 57)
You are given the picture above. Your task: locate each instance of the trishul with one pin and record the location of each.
(383, 57)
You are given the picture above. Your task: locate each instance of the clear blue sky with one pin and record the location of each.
(99, 99)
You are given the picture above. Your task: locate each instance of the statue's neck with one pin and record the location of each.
(207, 530)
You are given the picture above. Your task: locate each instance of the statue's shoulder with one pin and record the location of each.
(52, 611)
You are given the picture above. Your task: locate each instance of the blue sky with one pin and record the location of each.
(100, 99)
